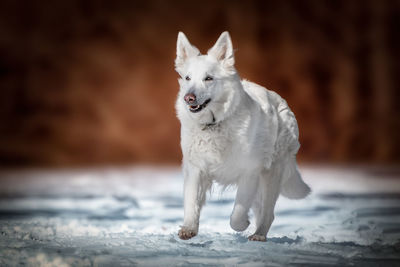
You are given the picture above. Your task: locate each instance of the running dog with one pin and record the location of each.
(233, 132)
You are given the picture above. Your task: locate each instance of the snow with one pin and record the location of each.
(131, 216)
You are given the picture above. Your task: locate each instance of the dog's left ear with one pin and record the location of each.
(223, 51)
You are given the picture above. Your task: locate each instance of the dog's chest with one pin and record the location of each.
(222, 153)
(211, 145)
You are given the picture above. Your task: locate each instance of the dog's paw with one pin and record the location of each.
(239, 225)
(256, 237)
(239, 220)
(186, 233)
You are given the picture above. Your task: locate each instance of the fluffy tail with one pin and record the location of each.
(294, 187)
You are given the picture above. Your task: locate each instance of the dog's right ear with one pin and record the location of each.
(184, 50)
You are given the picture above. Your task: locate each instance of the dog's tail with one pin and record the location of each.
(293, 186)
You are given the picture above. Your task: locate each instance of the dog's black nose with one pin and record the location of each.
(190, 98)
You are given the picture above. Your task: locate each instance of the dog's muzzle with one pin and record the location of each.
(197, 108)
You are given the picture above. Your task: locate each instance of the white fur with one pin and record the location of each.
(246, 136)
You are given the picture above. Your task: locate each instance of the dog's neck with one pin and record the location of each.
(210, 125)
(240, 97)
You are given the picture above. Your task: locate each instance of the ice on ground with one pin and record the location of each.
(131, 216)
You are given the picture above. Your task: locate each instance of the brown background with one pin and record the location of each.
(93, 82)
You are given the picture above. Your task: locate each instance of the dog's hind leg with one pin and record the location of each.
(264, 204)
(247, 188)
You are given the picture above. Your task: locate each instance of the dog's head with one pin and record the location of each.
(207, 82)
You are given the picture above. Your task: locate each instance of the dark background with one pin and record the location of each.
(93, 82)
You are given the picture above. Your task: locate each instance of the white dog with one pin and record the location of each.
(233, 132)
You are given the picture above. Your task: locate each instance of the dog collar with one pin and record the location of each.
(210, 126)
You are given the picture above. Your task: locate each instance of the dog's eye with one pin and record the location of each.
(187, 78)
(208, 78)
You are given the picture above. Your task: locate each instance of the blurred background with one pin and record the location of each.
(86, 83)
(89, 139)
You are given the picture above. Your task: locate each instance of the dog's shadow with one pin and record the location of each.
(277, 240)
(199, 242)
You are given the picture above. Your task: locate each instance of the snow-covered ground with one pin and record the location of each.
(131, 216)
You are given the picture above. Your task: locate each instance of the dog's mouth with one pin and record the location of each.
(198, 108)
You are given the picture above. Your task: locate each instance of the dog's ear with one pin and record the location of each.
(223, 51)
(184, 50)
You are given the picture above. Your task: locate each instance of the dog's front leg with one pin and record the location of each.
(194, 197)
(244, 198)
